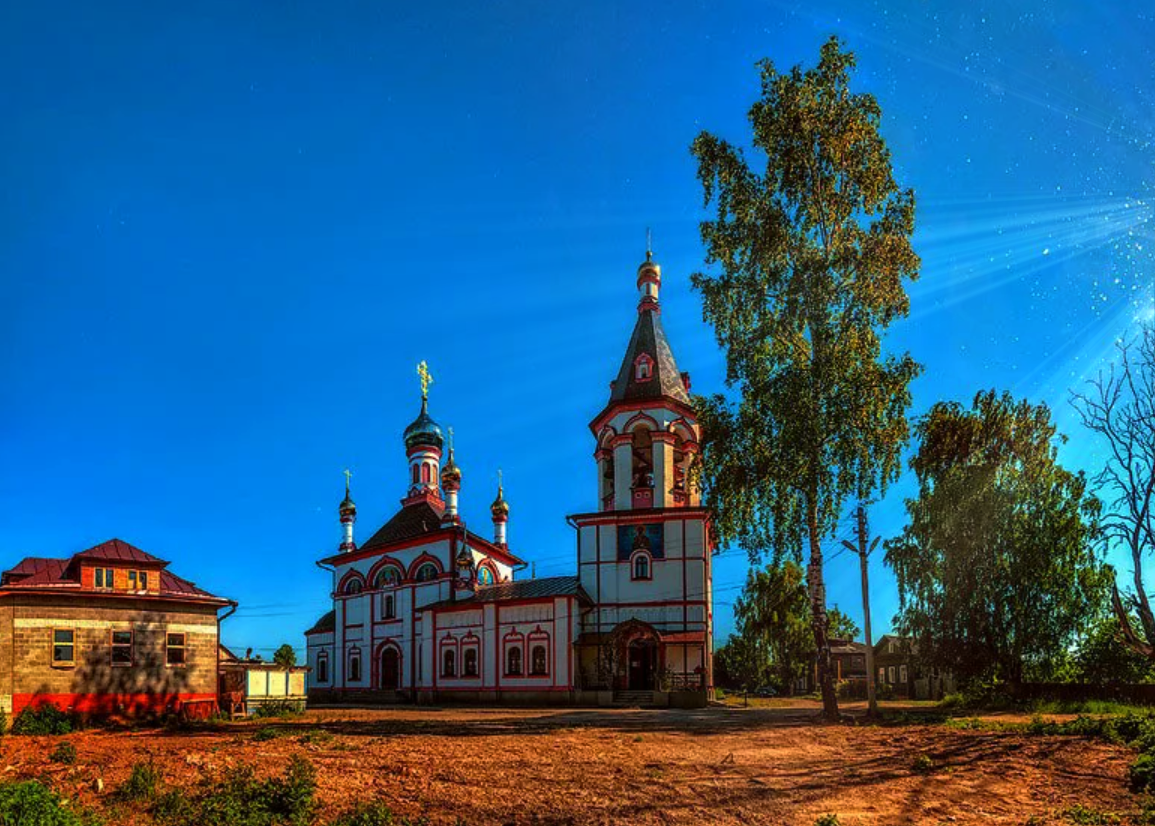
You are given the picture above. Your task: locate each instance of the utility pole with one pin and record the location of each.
(863, 549)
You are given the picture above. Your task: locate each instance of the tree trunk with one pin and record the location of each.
(818, 616)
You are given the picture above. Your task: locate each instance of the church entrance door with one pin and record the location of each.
(643, 662)
(390, 669)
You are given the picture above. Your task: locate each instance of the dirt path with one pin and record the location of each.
(715, 766)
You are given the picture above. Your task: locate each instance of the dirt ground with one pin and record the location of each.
(772, 763)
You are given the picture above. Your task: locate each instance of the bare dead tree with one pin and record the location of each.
(1120, 406)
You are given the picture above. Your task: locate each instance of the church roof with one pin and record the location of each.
(649, 338)
(554, 586)
(327, 622)
(411, 521)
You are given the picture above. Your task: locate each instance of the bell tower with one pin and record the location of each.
(644, 555)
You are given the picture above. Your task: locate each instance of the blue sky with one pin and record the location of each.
(228, 232)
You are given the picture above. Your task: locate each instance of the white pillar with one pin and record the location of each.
(623, 472)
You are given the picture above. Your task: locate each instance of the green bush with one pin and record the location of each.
(31, 804)
(279, 708)
(242, 800)
(719, 694)
(64, 753)
(267, 733)
(1143, 773)
(141, 784)
(44, 719)
(373, 814)
(827, 820)
(923, 764)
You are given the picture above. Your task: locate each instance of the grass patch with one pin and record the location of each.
(1086, 816)
(270, 733)
(923, 764)
(316, 736)
(30, 803)
(827, 820)
(141, 785)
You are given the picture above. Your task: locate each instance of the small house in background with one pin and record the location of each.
(901, 676)
(848, 659)
(247, 683)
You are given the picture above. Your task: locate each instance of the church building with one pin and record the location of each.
(426, 610)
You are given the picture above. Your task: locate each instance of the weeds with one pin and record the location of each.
(141, 784)
(923, 764)
(64, 753)
(1086, 816)
(374, 814)
(268, 733)
(242, 800)
(279, 708)
(827, 820)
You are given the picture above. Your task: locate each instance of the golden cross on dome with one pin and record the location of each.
(348, 473)
(426, 379)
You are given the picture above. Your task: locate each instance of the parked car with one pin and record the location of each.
(765, 691)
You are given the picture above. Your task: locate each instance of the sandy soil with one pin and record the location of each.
(772, 763)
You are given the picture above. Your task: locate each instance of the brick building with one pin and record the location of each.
(107, 629)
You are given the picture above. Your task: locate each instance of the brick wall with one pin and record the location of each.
(91, 682)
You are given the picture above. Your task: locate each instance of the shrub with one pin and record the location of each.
(63, 753)
(242, 800)
(33, 804)
(923, 764)
(279, 708)
(1143, 773)
(267, 733)
(373, 814)
(316, 736)
(827, 820)
(719, 694)
(141, 784)
(44, 719)
(1086, 816)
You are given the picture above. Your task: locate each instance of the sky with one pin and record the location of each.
(229, 232)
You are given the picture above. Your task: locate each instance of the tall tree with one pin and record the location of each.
(814, 251)
(998, 567)
(772, 614)
(285, 656)
(1102, 656)
(1120, 406)
(841, 626)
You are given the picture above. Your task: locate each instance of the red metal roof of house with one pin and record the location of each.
(117, 550)
(41, 573)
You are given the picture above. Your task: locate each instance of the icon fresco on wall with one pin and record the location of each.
(641, 537)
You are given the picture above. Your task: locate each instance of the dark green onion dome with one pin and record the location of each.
(424, 432)
(451, 473)
(499, 507)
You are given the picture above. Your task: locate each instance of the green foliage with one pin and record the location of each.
(142, 783)
(285, 656)
(44, 719)
(375, 813)
(64, 753)
(1142, 773)
(827, 820)
(316, 736)
(1102, 657)
(1086, 816)
(268, 733)
(3, 724)
(772, 616)
(923, 764)
(814, 250)
(279, 708)
(840, 626)
(30, 803)
(242, 800)
(998, 567)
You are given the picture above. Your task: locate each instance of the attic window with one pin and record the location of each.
(643, 368)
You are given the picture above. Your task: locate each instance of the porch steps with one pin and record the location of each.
(633, 698)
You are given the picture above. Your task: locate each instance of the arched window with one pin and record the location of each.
(354, 585)
(416, 474)
(448, 663)
(322, 668)
(513, 661)
(425, 473)
(484, 575)
(388, 607)
(426, 572)
(387, 577)
(469, 662)
(643, 367)
(537, 661)
(355, 666)
(641, 567)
